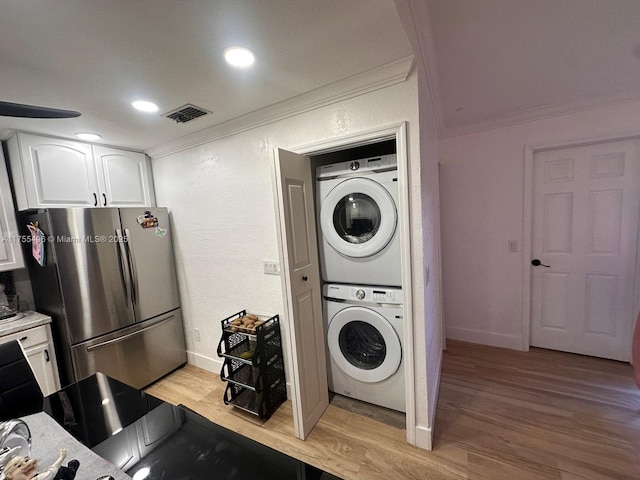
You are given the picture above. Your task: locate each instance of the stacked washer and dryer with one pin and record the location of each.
(360, 260)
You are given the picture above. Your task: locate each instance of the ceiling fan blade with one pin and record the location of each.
(8, 109)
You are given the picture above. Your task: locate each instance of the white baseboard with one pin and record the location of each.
(432, 413)
(514, 342)
(214, 365)
(424, 437)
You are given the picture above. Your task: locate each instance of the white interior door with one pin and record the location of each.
(585, 227)
(301, 284)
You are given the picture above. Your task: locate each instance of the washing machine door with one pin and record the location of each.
(358, 217)
(364, 344)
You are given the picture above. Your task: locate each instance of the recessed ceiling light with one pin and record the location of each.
(90, 137)
(239, 57)
(144, 106)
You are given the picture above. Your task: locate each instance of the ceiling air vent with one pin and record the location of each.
(186, 113)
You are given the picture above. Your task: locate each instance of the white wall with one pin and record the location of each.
(429, 276)
(221, 202)
(481, 187)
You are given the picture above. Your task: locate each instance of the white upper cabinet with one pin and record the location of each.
(53, 172)
(11, 257)
(124, 178)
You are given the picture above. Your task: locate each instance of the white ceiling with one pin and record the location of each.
(495, 59)
(503, 59)
(96, 56)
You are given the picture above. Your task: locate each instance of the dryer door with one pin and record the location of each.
(364, 344)
(358, 217)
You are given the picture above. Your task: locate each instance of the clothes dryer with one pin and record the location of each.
(358, 221)
(364, 334)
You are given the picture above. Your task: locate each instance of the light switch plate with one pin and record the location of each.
(271, 267)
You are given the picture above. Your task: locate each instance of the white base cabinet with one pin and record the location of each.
(53, 172)
(38, 345)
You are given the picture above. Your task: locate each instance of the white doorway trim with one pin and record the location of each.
(527, 225)
(397, 131)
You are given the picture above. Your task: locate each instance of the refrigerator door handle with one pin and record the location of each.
(132, 269)
(125, 276)
(129, 335)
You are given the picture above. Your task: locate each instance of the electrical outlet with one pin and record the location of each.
(196, 334)
(513, 246)
(271, 267)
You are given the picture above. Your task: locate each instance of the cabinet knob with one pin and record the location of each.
(305, 278)
(46, 355)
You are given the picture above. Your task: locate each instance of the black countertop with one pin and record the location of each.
(136, 431)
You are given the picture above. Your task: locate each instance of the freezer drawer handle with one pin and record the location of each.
(124, 337)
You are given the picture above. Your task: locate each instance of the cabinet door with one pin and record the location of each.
(38, 346)
(125, 178)
(11, 257)
(58, 173)
(40, 360)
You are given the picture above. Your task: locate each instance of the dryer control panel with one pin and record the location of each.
(363, 293)
(362, 165)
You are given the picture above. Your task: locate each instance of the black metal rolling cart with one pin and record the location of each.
(253, 367)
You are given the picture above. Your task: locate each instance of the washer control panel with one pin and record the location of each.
(361, 293)
(386, 296)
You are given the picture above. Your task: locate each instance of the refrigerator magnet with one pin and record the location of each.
(148, 220)
(37, 243)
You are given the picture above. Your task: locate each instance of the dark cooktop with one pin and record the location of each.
(151, 439)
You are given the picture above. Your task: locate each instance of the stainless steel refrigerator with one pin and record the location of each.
(109, 283)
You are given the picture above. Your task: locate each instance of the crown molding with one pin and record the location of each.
(540, 113)
(422, 38)
(381, 77)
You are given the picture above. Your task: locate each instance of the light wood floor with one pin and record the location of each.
(501, 414)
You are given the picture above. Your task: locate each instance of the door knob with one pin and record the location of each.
(305, 278)
(537, 263)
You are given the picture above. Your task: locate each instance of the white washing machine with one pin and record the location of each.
(364, 329)
(358, 221)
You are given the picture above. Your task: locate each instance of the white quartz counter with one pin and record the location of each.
(29, 319)
(47, 438)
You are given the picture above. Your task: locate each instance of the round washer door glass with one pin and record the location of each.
(364, 344)
(358, 217)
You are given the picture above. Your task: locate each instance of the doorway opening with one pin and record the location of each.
(290, 180)
(356, 251)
